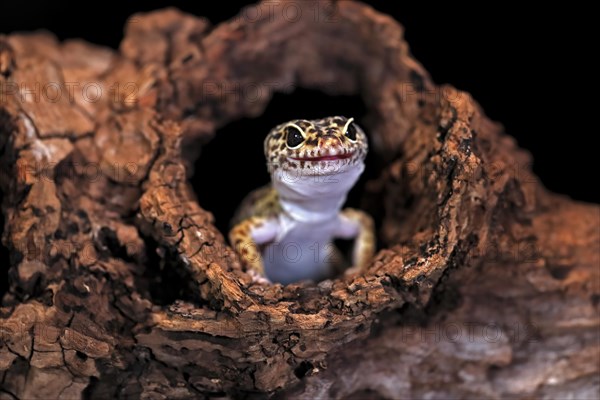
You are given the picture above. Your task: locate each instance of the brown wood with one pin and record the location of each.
(486, 286)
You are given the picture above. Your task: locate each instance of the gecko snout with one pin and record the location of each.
(329, 141)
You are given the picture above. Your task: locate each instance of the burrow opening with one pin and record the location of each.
(233, 164)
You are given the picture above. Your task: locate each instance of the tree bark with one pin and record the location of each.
(485, 286)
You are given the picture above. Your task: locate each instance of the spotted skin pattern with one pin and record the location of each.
(283, 232)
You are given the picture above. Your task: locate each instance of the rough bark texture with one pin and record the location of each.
(486, 285)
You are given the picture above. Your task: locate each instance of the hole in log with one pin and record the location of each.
(165, 280)
(236, 154)
(304, 368)
(559, 272)
(110, 244)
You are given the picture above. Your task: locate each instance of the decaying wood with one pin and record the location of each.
(486, 286)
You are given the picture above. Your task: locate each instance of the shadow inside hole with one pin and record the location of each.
(165, 280)
(233, 164)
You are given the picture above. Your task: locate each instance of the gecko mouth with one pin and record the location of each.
(329, 157)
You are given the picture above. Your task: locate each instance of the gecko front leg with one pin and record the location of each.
(357, 225)
(246, 237)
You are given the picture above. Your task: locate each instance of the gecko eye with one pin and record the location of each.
(293, 137)
(351, 132)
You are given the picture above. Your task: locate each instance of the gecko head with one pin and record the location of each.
(327, 146)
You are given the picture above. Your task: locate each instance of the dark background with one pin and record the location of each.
(522, 66)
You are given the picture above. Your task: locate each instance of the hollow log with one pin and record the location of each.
(120, 285)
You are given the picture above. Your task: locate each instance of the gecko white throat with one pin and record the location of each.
(315, 197)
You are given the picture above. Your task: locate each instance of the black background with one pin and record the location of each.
(526, 67)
